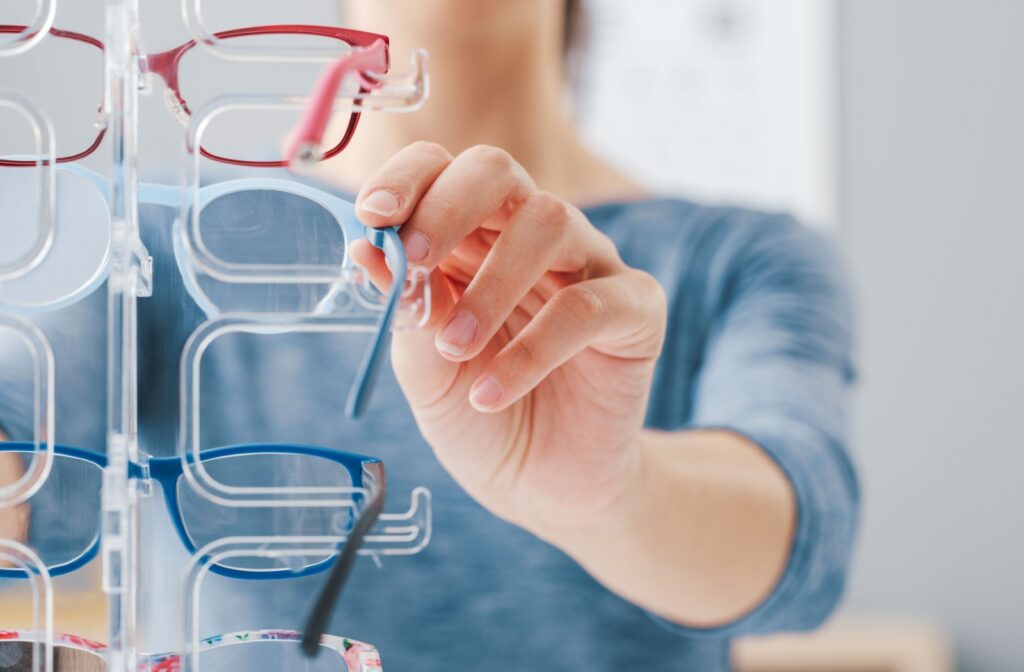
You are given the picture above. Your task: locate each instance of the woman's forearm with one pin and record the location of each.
(700, 534)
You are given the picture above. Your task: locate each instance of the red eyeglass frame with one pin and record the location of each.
(165, 65)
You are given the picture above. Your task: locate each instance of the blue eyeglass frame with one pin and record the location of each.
(385, 239)
(167, 471)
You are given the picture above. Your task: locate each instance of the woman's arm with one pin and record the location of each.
(531, 384)
(700, 533)
(775, 372)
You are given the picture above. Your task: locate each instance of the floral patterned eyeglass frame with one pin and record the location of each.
(358, 656)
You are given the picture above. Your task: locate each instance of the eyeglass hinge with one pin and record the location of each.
(145, 481)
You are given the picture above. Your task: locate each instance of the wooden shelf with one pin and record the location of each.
(850, 646)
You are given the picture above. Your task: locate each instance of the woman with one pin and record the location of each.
(635, 404)
(667, 414)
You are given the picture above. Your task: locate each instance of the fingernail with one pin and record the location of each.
(417, 247)
(380, 202)
(457, 336)
(485, 394)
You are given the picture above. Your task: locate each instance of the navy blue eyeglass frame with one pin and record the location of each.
(167, 470)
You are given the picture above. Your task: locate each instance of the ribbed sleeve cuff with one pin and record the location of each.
(827, 497)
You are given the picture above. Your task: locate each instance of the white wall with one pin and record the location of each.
(932, 178)
(718, 99)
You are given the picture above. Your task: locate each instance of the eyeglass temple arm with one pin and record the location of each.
(306, 147)
(319, 617)
(365, 379)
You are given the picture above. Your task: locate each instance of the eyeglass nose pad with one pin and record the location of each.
(176, 108)
(101, 118)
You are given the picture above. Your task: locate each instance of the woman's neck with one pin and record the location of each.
(484, 90)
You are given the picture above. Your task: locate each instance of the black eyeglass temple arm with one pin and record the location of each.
(316, 624)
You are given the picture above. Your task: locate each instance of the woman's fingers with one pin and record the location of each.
(438, 211)
(390, 197)
(372, 260)
(424, 373)
(620, 315)
(542, 235)
(490, 238)
(374, 263)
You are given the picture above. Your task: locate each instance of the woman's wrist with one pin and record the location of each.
(631, 506)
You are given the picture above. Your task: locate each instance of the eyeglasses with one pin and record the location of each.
(252, 651)
(250, 246)
(65, 524)
(307, 147)
(168, 66)
(71, 529)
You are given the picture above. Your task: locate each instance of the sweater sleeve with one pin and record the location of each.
(776, 368)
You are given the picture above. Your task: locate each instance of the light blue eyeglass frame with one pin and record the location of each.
(363, 471)
(191, 256)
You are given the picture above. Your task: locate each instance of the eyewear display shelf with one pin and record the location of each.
(71, 252)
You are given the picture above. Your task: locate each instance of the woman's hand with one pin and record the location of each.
(531, 379)
(531, 384)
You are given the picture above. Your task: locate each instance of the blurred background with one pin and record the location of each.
(895, 125)
(899, 125)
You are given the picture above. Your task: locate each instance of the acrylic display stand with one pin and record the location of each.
(52, 257)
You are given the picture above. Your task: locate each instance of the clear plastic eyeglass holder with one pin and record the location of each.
(350, 305)
(21, 254)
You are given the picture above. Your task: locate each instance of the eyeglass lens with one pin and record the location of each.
(245, 227)
(206, 521)
(63, 76)
(252, 133)
(65, 512)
